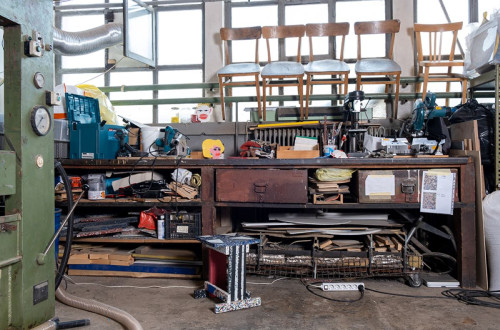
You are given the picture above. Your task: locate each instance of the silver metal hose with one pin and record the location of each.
(88, 41)
(120, 316)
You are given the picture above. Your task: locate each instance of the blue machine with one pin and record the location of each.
(173, 143)
(89, 138)
(426, 110)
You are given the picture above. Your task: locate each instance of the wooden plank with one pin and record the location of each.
(463, 131)
(128, 274)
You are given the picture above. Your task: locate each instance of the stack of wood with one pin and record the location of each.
(328, 192)
(183, 190)
(61, 195)
(387, 243)
(349, 245)
(98, 255)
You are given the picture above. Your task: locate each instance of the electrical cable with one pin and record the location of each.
(100, 74)
(69, 231)
(403, 295)
(472, 297)
(69, 279)
(270, 283)
(313, 285)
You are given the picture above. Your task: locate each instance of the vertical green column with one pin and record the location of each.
(34, 166)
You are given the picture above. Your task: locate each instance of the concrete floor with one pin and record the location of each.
(286, 304)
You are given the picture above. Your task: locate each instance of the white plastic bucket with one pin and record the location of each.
(148, 136)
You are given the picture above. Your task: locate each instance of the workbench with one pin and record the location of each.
(212, 204)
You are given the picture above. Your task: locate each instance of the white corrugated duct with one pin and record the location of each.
(88, 41)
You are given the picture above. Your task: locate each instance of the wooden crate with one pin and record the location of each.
(285, 152)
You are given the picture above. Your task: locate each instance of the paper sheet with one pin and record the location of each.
(438, 191)
(380, 185)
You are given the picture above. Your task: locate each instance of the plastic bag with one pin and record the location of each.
(149, 217)
(472, 110)
(334, 174)
(105, 107)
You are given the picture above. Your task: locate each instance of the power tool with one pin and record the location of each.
(174, 142)
(424, 111)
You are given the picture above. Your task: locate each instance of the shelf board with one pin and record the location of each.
(131, 240)
(128, 202)
(330, 206)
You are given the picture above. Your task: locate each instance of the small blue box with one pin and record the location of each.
(88, 138)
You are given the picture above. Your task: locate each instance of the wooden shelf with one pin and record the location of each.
(131, 240)
(364, 206)
(129, 202)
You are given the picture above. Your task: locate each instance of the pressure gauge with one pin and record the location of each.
(41, 120)
(39, 80)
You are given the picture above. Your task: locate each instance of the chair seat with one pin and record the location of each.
(441, 63)
(326, 66)
(376, 65)
(240, 68)
(280, 69)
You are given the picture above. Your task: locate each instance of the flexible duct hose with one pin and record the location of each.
(120, 316)
(49, 325)
(88, 41)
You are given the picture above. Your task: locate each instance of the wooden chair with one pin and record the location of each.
(328, 67)
(434, 57)
(386, 67)
(278, 71)
(231, 70)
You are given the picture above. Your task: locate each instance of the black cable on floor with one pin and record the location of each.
(472, 297)
(404, 295)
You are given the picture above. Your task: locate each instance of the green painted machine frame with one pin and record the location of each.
(26, 170)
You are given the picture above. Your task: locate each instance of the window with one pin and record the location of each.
(180, 55)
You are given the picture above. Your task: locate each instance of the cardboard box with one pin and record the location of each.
(287, 153)
(133, 136)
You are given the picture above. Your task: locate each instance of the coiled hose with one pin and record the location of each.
(120, 316)
(69, 233)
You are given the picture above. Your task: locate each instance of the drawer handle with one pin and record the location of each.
(5, 227)
(260, 188)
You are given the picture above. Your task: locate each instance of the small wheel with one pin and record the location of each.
(414, 280)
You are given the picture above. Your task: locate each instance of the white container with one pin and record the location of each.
(148, 136)
(491, 211)
(160, 228)
(96, 194)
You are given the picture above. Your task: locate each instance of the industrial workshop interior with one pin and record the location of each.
(249, 164)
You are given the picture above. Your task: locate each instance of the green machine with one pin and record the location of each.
(27, 165)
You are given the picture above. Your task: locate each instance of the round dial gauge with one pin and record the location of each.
(41, 120)
(39, 80)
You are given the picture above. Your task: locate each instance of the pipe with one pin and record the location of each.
(88, 41)
(49, 325)
(120, 316)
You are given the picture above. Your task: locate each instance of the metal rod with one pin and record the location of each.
(64, 222)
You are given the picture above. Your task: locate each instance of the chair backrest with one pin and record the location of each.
(326, 30)
(282, 32)
(435, 32)
(377, 27)
(247, 33)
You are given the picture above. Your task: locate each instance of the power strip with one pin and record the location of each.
(348, 286)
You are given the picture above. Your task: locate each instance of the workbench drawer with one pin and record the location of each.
(261, 185)
(393, 186)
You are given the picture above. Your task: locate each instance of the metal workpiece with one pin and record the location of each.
(27, 288)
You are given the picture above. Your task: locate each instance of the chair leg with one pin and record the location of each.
(426, 80)
(263, 99)
(221, 89)
(308, 91)
(270, 90)
(358, 82)
(396, 98)
(301, 97)
(464, 91)
(418, 85)
(346, 85)
(257, 87)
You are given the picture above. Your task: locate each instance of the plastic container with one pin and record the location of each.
(160, 227)
(97, 186)
(57, 224)
(149, 136)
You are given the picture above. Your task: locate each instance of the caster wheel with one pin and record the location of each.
(414, 280)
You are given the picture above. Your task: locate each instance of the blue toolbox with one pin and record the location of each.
(89, 138)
